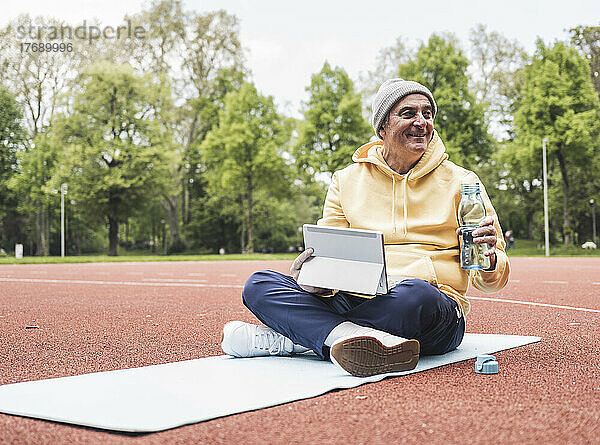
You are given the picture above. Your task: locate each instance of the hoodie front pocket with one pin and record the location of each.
(411, 264)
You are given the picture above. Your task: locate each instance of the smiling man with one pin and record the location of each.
(411, 129)
(404, 186)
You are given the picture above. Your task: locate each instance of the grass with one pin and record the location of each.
(522, 248)
(145, 258)
(532, 248)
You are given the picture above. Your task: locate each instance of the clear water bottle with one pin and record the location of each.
(471, 210)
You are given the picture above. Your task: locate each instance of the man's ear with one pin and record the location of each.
(381, 132)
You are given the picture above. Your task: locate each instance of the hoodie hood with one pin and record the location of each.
(434, 155)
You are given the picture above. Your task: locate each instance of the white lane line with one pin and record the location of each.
(531, 303)
(174, 280)
(200, 274)
(596, 284)
(514, 281)
(118, 283)
(239, 286)
(229, 275)
(555, 282)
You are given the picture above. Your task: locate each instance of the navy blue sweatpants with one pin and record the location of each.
(412, 309)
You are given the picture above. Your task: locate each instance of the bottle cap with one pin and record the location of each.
(486, 364)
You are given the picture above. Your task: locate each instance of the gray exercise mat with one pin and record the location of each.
(159, 397)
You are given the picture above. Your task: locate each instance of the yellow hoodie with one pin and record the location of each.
(417, 213)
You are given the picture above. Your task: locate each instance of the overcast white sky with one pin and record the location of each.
(286, 41)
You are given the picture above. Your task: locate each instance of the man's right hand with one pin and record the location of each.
(295, 272)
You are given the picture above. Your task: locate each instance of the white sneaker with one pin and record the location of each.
(248, 340)
(374, 352)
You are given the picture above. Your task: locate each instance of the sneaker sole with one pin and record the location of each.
(367, 356)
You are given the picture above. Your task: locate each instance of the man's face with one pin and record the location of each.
(410, 127)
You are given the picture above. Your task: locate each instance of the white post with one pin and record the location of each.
(63, 191)
(593, 204)
(19, 251)
(546, 229)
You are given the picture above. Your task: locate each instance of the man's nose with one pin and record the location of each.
(419, 119)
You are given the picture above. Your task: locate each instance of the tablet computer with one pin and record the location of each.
(351, 260)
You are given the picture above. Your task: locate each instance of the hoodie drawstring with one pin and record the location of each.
(405, 205)
(405, 198)
(393, 203)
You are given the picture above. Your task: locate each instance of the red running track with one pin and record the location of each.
(68, 319)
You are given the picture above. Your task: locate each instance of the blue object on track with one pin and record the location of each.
(486, 364)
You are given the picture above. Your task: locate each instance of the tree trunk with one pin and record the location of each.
(188, 214)
(153, 242)
(242, 240)
(77, 240)
(41, 231)
(183, 201)
(530, 226)
(566, 215)
(250, 244)
(113, 236)
(47, 229)
(169, 203)
(243, 232)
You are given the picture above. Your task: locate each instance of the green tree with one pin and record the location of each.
(38, 209)
(203, 110)
(32, 183)
(11, 140)
(513, 190)
(497, 63)
(587, 40)
(460, 121)
(11, 134)
(243, 157)
(157, 53)
(37, 79)
(277, 227)
(558, 102)
(202, 54)
(333, 126)
(212, 66)
(117, 154)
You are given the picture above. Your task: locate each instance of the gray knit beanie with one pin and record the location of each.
(390, 92)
